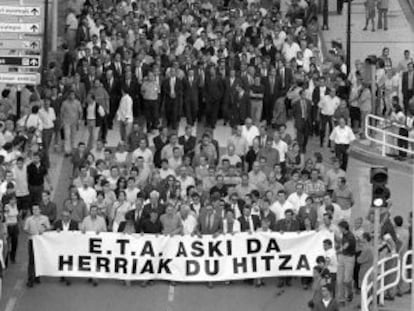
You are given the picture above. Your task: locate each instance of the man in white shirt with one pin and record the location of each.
(188, 220)
(298, 198)
(87, 193)
(48, 117)
(185, 181)
(282, 147)
(331, 260)
(249, 131)
(329, 207)
(342, 136)
(327, 106)
(143, 151)
(281, 205)
(125, 116)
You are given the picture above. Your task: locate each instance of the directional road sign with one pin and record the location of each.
(32, 61)
(20, 27)
(20, 78)
(19, 11)
(20, 44)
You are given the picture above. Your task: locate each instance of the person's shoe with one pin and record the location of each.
(373, 29)
(144, 284)
(365, 29)
(94, 283)
(306, 287)
(29, 284)
(37, 280)
(385, 29)
(68, 283)
(62, 279)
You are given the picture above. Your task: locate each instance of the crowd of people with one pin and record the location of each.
(140, 67)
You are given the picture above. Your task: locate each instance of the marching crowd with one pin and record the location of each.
(141, 66)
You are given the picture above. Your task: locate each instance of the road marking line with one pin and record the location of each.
(19, 285)
(11, 304)
(171, 290)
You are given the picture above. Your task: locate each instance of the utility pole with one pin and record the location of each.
(45, 48)
(348, 38)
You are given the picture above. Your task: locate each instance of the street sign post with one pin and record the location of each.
(22, 23)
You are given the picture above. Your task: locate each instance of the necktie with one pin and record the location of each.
(272, 85)
(248, 223)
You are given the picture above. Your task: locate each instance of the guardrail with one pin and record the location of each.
(368, 283)
(378, 130)
(406, 267)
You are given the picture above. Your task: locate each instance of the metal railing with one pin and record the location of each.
(379, 130)
(368, 283)
(406, 267)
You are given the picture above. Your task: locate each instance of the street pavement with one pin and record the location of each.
(398, 38)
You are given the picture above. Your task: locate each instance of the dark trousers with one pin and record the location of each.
(355, 114)
(406, 98)
(333, 284)
(191, 111)
(113, 108)
(212, 109)
(31, 264)
(171, 113)
(340, 6)
(35, 194)
(341, 152)
(23, 205)
(13, 232)
(302, 133)
(152, 113)
(103, 129)
(325, 120)
(314, 123)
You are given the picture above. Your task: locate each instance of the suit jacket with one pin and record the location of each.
(282, 225)
(269, 52)
(271, 217)
(332, 306)
(404, 84)
(191, 91)
(73, 225)
(132, 88)
(114, 89)
(316, 95)
(244, 224)
(302, 214)
(137, 220)
(230, 93)
(286, 79)
(178, 89)
(117, 74)
(189, 144)
(216, 227)
(213, 90)
(270, 97)
(158, 144)
(300, 122)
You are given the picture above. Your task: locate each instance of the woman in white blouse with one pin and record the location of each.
(120, 208)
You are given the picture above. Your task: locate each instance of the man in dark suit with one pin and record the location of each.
(209, 221)
(407, 85)
(117, 67)
(286, 77)
(272, 90)
(188, 141)
(113, 88)
(230, 93)
(130, 84)
(191, 97)
(137, 213)
(65, 223)
(287, 224)
(173, 95)
(320, 91)
(302, 113)
(241, 108)
(248, 222)
(268, 49)
(213, 93)
(308, 211)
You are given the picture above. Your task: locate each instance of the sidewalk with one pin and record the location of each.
(399, 37)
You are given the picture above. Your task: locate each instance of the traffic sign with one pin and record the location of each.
(20, 27)
(20, 78)
(32, 61)
(20, 44)
(19, 11)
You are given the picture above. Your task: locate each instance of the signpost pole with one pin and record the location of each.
(18, 101)
(45, 59)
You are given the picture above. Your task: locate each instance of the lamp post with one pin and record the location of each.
(348, 38)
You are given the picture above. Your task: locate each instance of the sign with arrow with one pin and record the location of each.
(19, 11)
(20, 27)
(33, 45)
(26, 61)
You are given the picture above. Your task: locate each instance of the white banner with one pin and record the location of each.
(177, 258)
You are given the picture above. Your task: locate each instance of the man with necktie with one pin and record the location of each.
(302, 109)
